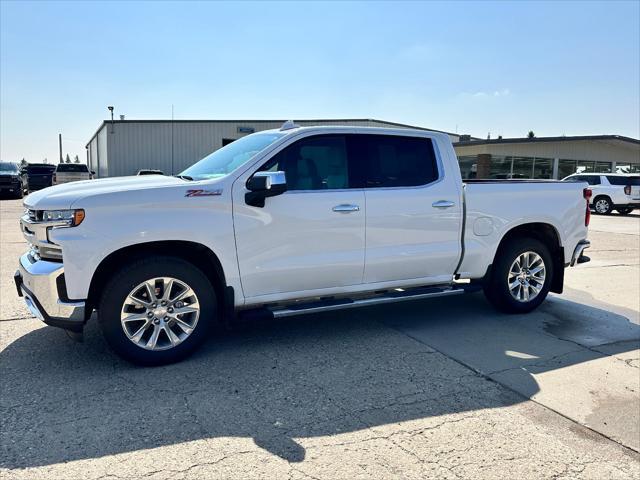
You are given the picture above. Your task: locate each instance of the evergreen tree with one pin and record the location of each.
(77, 160)
(67, 159)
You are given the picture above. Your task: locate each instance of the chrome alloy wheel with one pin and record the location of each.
(160, 313)
(602, 206)
(526, 276)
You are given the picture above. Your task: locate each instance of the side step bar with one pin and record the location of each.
(329, 304)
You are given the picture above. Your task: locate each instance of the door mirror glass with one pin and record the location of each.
(264, 184)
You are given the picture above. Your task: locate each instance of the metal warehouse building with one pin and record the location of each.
(122, 147)
(547, 157)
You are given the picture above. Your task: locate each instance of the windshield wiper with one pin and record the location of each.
(184, 177)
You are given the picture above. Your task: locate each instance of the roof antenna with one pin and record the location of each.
(288, 125)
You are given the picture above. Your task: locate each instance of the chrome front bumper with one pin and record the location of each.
(38, 282)
(578, 256)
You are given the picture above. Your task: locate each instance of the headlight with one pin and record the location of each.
(72, 217)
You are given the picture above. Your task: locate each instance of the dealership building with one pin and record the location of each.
(547, 157)
(122, 147)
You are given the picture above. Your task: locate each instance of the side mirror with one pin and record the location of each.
(264, 184)
(93, 172)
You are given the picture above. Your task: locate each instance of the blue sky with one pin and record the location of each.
(506, 68)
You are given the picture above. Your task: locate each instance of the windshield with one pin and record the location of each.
(225, 160)
(8, 167)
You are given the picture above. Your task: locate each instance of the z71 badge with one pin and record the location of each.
(203, 193)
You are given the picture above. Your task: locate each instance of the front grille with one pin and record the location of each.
(8, 180)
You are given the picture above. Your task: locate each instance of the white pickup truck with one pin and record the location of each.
(286, 222)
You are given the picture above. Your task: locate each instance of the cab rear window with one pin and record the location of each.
(71, 167)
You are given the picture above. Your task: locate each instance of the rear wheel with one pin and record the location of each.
(624, 210)
(520, 276)
(602, 205)
(157, 311)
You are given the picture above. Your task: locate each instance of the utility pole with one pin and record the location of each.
(60, 145)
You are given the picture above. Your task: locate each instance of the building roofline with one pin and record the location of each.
(107, 122)
(547, 139)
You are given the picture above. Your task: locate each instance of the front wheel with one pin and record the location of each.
(157, 310)
(520, 276)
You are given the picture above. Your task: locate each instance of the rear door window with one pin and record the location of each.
(395, 161)
(623, 181)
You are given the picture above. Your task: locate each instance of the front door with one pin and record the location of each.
(310, 238)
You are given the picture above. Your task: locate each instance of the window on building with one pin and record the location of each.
(585, 166)
(603, 167)
(628, 168)
(468, 166)
(522, 167)
(500, 167)
(543, 168)
(566, 168)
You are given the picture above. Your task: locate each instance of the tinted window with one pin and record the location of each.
(72, 167)
(393, 161)
(592, 179)
(613, 180)
(39, 169)
(314, 163)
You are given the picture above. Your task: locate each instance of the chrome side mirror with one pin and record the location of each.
(264, 184)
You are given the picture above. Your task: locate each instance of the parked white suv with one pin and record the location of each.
(286, 222)
(611, 191)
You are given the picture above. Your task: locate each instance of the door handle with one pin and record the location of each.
(442, 204)
(346, 208)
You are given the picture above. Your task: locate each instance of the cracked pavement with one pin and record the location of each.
(445, 388)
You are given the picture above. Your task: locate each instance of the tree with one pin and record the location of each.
(45, 160)
(23, 163)
(67, 159)
(77, 160)
(531, 134)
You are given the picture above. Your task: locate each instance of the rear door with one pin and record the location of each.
(413, 210)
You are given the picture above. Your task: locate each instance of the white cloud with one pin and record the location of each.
(505, 92)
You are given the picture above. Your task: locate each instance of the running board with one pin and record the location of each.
(391, 296)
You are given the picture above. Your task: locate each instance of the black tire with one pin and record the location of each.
(496, 287)
(602, 205)
(121, 284)
(624, 210)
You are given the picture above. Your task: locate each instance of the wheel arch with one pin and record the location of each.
(199, 255)
(549, 236)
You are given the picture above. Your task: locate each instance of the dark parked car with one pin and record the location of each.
(11, 180)
(40, 175)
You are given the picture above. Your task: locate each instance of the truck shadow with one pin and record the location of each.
(303, 378)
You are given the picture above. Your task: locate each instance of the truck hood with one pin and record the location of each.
(63, 196)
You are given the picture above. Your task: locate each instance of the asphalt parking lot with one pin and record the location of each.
(443, 388)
